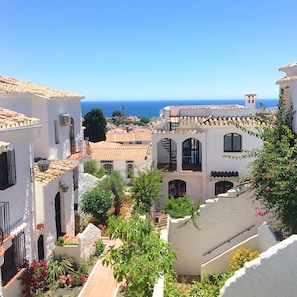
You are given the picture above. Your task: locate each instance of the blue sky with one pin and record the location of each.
(150, 49)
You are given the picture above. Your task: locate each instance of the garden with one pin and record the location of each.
(58, 276)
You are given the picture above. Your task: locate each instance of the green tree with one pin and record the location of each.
(114, 183)
(96, 202)
(91, 167)
(95, 124)
(274, 170)
(144, 120)
(117, 113)
(141, 259)
(146, 188)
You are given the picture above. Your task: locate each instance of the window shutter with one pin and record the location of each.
(11, 170)
(228, 143)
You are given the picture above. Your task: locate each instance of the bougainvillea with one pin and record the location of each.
(274, 170)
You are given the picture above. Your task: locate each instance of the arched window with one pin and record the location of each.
(222, 187)
(232, 142)
(191, 155)
(176, 188)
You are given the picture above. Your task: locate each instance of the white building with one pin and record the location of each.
(43, 128)
(273, 273)
(128, 159)
(289, 84)
(191, 142)
(17, 198)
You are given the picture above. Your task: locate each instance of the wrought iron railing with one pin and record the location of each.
(14, 258)
(4, 218)
(228, 240)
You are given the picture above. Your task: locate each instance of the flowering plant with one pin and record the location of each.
(34, 278)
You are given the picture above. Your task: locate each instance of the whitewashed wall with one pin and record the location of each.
(213, 159)
(263, 240)
(219, 219)
(272, 274)
(55, 109)
(45, 206)
(47, 110)
(21, 195)
(120, 165)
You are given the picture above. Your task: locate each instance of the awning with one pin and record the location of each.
(220, 174)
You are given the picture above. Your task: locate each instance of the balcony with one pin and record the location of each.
(191, 164)
(167, 166)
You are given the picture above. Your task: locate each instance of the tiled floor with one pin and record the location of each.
(101, 282)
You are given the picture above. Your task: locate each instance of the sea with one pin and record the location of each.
(151, 108)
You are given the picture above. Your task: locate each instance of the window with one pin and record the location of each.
(176, 188)
(232, 142)
(130, 169)
(56, 125)
(108, 165)
(75, 178)
(222, 187)
(191, 151)
(8, 170)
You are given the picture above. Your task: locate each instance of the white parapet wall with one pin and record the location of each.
(260, 242)
(85, 247)
(223, 223)
(159, 286)
(271, 274)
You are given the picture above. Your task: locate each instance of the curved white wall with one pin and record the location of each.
(272, 274)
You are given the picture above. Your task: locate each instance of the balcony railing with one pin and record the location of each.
(5, 218)
(191, 163)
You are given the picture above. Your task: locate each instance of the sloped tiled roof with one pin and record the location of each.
(194, 123)
(121, 135)
(10, 119)
(56, 169)
(289, 66)
(220, 121)
(18, 86)
(116, 152)
(287, 79)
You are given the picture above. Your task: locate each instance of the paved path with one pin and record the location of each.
(101, 282)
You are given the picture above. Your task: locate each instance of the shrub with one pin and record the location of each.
(96, 202)
(180, 207)
(58, 266)
(99, 247)
(34, 278)
(242, 256)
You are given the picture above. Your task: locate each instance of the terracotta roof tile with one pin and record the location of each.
(116, 152)
(193, 123)
(56, 169)
(287, 79)
(289, 66)
(18, 86)
(121, 135)
(10, 119)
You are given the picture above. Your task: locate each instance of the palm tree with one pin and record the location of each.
(114, 183)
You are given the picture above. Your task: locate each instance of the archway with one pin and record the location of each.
(176, 188)
(58, 215)
(40, 245)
